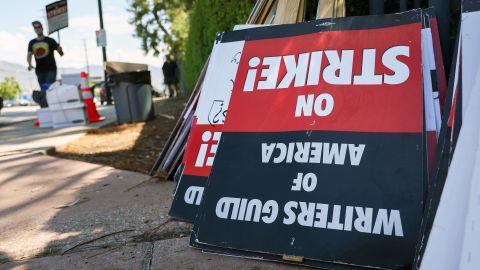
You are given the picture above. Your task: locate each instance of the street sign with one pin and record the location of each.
(57, 16)
(101, 37)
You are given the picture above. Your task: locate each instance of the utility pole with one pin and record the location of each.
(108, 92)
(86, 57)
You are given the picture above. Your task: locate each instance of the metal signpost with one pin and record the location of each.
(104, 53)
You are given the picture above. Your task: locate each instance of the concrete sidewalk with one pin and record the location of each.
(63, 214)
(159, 255)
(18, 133)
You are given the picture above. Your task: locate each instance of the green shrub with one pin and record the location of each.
(208, 18)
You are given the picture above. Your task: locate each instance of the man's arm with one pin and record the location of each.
(29, 60)
(60, 50)
(57, 47)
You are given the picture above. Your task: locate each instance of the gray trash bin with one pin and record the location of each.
(132, 94)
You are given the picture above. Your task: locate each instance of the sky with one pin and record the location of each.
(16, 31)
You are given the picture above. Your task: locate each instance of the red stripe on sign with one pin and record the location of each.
(288, 84)
(201, 149)
(453, 109)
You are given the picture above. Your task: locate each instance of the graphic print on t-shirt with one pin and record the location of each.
(40, 49)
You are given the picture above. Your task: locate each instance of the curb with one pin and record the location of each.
(45, 151)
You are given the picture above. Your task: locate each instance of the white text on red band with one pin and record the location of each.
(306, 69)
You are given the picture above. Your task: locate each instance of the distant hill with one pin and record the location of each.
(28, 80)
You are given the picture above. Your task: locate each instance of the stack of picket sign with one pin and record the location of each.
(264, 12)
(322, 152)
(452, 222)
(291, 11)
(338, 133)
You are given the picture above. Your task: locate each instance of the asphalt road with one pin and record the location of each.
(13, 115)
(18, 132)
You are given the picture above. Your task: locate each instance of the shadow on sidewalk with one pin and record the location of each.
(96, 217)
(3, 258)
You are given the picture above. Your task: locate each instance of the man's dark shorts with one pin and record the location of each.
(47, 77)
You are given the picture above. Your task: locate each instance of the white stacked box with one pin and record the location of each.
(66, 106)
(68, 114)
(45, 117)
(63, 94)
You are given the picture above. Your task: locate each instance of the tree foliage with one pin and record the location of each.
(208, 18)
(162, 25)
(9, 88)
(186, 27)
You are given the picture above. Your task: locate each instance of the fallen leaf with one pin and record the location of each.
(36, 189)
(77, 201)
(171, 117)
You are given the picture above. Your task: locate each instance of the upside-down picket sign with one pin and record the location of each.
(321, 155)
(206, 128)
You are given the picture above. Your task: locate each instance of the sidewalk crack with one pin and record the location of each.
(147, 258)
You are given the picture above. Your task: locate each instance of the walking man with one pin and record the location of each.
(170, 73)
(42, 48)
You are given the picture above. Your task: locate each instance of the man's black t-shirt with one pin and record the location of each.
(169, 70)
(43, 52)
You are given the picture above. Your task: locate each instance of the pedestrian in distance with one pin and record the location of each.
(170, 75)
(42, 49)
